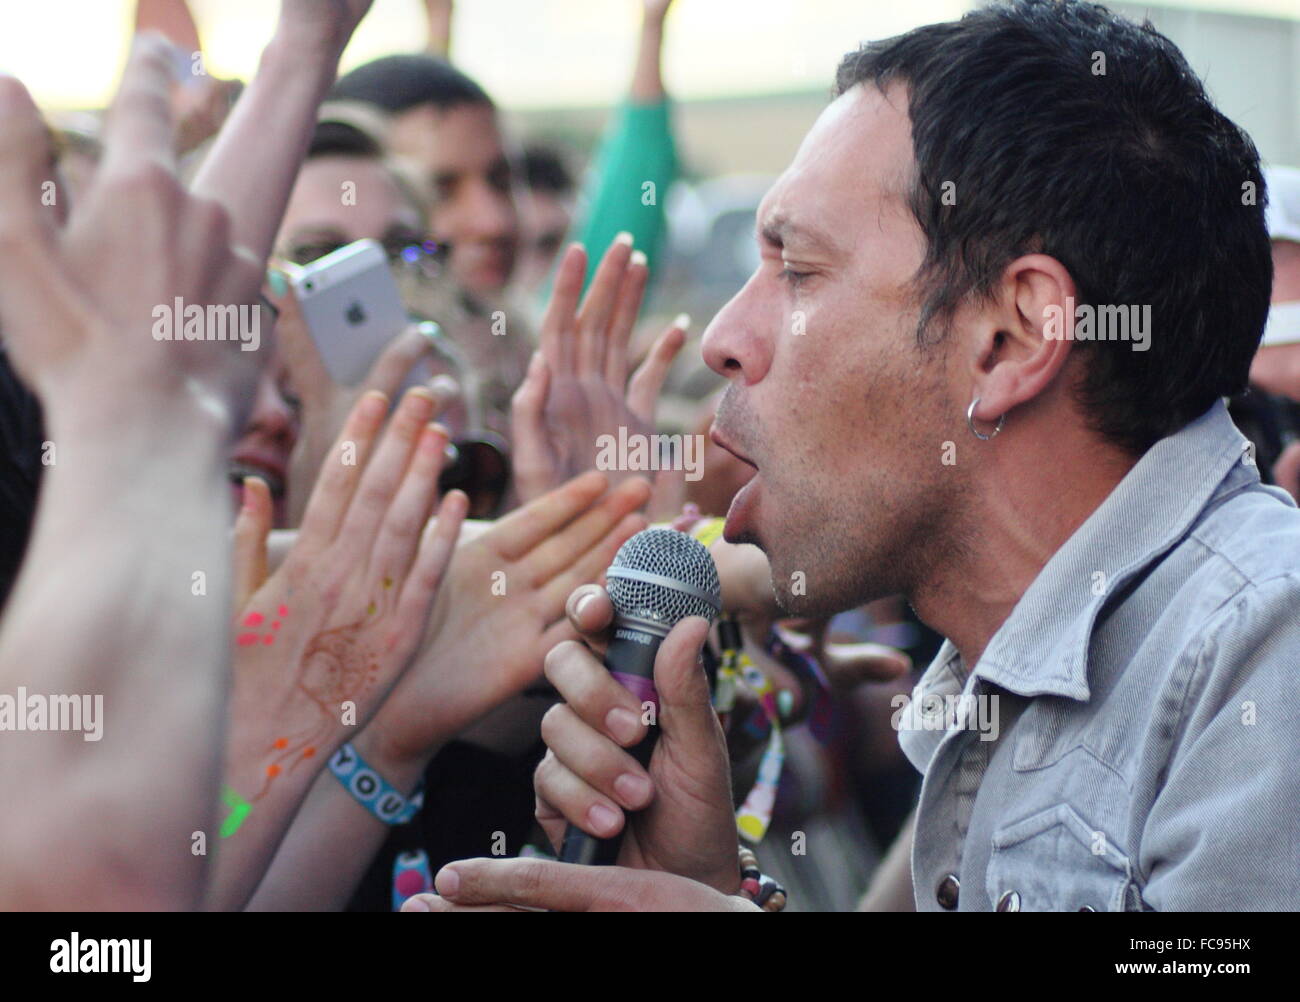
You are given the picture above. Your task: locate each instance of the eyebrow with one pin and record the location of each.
(780, 230)
(317, 232)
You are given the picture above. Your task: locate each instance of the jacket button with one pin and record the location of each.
(947, 892)
(1087, 908)
(1009, 902)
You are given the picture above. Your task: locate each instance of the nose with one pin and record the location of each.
(738, 343)
(487, 213)
(273, 416)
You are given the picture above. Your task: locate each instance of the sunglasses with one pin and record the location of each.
(481, 468)
(408, 252)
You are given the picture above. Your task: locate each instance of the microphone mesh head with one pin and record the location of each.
(663, 576)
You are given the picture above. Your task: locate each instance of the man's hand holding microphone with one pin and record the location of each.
(675, 816)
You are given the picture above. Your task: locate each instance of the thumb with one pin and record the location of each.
(686, 717)
(534, 475)
(252, 526)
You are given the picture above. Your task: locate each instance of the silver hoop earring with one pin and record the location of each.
(970, 422)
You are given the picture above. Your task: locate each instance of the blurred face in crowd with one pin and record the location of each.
(547, 216)
(319, 217)
(268, 438)
(462, 153)
(844, 422)
(1276, 368)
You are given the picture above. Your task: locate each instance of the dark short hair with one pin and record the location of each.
(343, 139)
(400, 83)
(545, 169)
(1131, 178)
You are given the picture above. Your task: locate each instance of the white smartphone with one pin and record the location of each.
(350, 302)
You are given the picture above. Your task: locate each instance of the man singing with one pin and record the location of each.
(1072, 509)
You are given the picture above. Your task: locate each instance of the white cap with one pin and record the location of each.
(1283, 219)
(1283, 215)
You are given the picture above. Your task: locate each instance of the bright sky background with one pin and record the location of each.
(528, 53)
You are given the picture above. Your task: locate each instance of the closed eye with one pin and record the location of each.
(794, 278)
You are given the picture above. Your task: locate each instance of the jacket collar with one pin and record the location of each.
(1042, 647)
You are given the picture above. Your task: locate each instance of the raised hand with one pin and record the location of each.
(321, 642)
(576, 388)
(656, 10)
(329, 23)
(102, 604)
(77, 320)
(499, 611)
(503, 609)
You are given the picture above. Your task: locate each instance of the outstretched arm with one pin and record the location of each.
(124, 611)
(255, 158)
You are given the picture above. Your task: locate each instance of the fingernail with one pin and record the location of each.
(624, 238)
(376, 404)
(447, 882)
(785, 702)
(445, 388)
(429, 329)
(582, 602)
(632, 789)
(638, 257)
(277, 283)
(415, 905)
(623, 724)
(683, 321)
(248, 495)
(602, 818)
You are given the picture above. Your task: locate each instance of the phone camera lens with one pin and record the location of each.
(309, 285)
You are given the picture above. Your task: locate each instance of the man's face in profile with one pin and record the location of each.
(830, 397)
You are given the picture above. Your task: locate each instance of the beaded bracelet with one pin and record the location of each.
(371, 790)
(763, 891)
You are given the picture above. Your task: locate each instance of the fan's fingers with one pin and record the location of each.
(138, 129)
(648, 380)
(630, 297)
(398, 540)
(340, 472)
(521, 530)
(590, 566)
(252, 526)
(598, 306)
(566, 546)
(437, 547)
(384, 474)
(559, 324)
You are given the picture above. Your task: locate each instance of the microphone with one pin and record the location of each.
(658, 578)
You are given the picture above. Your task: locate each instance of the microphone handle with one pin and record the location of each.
(630, 658)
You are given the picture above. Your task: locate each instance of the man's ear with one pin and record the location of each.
(1024, 335)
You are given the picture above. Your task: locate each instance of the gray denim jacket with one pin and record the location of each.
(1143, 748)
